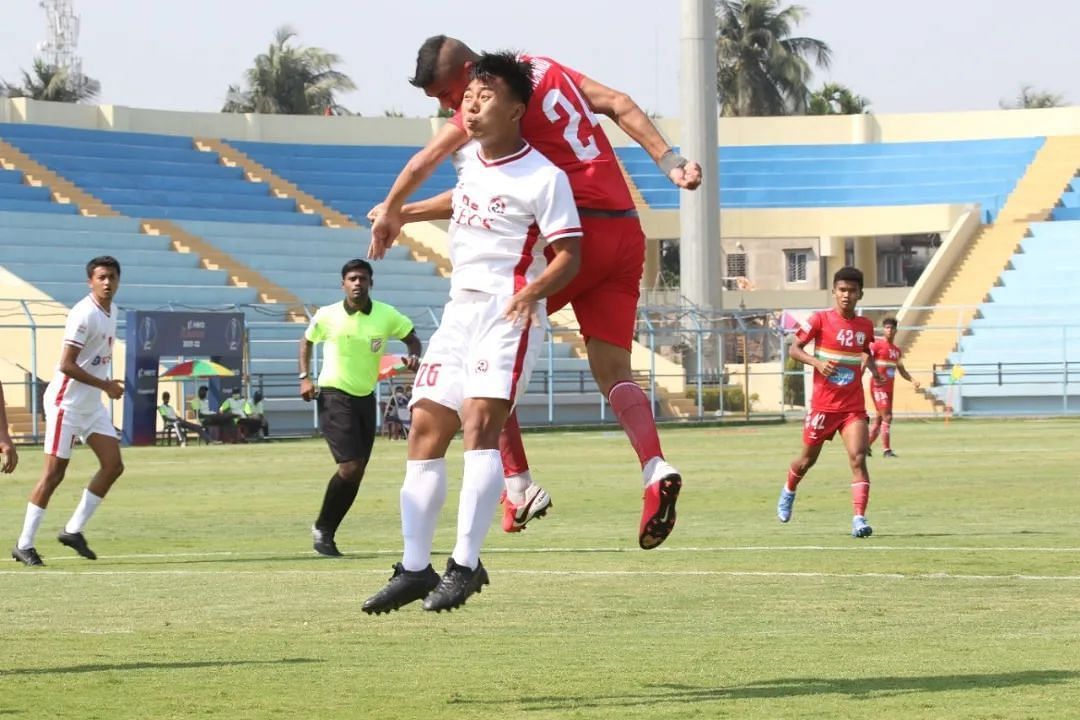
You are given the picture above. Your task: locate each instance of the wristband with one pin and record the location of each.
(670, 161)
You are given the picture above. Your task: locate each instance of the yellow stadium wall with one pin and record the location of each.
(799, 130)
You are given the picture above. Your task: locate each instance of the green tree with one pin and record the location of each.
(761, 68)
(836, 99)
(1029, 98)
(48, 82)
(289, 79)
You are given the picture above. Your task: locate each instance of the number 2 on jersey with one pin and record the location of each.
(584, 151)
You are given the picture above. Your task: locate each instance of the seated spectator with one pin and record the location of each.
(232, 409)
(254, 424)
(404, 412)
(212, 421)
(390, 426)
(174, 423)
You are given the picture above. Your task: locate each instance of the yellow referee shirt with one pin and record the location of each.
(354, 344)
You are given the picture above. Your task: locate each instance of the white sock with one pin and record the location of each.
(422, 496)
(83, 512)
(34, 514)
(480, 491)
(655, 470)
(516, 485)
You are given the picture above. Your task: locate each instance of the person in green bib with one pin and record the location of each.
(355, 334)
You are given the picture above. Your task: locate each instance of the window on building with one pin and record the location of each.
(894, 270)
(736, 265)
(797, 261)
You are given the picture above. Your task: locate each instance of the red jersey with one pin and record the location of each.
(886, 356)
(843, 341)
(559, 123)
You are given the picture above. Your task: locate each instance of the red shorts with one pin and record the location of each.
(882, 400)
(604, 293)
(821, 426)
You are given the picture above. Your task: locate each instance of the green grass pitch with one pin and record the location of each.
(207, 601)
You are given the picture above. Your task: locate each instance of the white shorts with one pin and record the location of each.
(63, 426)
(477, 353)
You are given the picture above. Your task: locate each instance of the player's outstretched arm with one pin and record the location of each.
(560, 270)
(907, 376)
(387, 226)
(633, 121)
(9, 458)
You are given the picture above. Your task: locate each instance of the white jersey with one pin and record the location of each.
(93, 331)
(505, 212)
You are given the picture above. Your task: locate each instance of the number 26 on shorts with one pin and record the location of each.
(427, 375)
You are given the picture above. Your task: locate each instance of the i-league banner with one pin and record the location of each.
(151, 335)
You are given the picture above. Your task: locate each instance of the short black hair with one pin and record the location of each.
(165, 396)
(889, 322)
(257, 396)
(203, 390)
(851, 274)
(427, 59)
(107, 261)
(357, 264)
(508, 65)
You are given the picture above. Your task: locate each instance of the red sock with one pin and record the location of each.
(875, 429)
(886, 441)
(860, 495)
(511, 448)
(631, 406)
(793, 480)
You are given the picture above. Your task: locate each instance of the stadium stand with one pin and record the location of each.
(1025, 334)
(853, 175)
(152, 176)
(349, 178)
(15, 196)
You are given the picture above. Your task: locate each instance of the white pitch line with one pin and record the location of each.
(852, 547)
(579, 573)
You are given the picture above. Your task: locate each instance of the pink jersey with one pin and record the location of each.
(843, 341)
(886, 356)
(559, 123)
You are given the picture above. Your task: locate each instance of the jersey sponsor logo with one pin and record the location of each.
(842, 376)
(101, 360)
(466, 212)
(890, 372)
(376, 344)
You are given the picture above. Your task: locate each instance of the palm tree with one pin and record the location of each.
(291, 80)
(761, 69)
(836, 99)
(1029, 98)
(54, 84)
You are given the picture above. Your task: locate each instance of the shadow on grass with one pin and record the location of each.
(189, 665)
(853, 688)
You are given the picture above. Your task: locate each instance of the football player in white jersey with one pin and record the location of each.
(509, 204)
(73, 409)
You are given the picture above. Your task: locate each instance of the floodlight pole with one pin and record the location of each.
(700, 270)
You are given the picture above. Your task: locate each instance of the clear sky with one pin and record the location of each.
(907, 56)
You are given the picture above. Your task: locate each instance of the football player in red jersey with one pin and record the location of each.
(841, 347)
(561, 123)
(887, 357)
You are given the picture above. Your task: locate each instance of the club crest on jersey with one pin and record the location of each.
(497, 206)
(481, 366)
(860, 339)
(376, 344)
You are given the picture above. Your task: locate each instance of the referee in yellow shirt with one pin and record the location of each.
(355, 333)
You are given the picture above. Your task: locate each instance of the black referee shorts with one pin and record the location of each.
(347, 423)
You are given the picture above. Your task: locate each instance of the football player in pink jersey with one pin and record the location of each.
(841, 347)
(73, 409)
(561, 123)
(887, 356)
(510, 204)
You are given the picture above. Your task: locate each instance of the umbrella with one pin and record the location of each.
(389, 366)
(197, 368)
